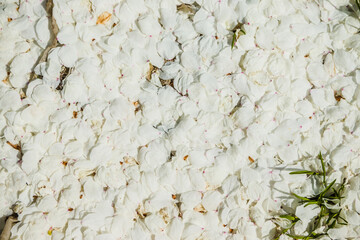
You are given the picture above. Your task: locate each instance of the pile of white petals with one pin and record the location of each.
(117, 154)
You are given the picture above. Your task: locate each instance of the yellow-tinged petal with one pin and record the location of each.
(103, 18)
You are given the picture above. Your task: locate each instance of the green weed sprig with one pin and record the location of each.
(329, 202)
(237, 31)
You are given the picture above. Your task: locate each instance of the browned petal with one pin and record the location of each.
(103, 18)
(15, 146)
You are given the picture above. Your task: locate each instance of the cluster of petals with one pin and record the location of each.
(119, 153)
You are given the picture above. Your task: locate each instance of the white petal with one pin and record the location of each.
(264, 38)
(345, 61)
(299, 88)
(185, 31)
(93, 221)
(47, 203)
(337, 233)
(10, 100)
(211, 200)
(197, 159)
(22, 64)
(147, 133)
(307, 213)
(285, 40)
(67, 35)
(149, 25)
(42, 31)
(68, 55)
(74, 149)
(43, 93)
(316, 73)
(74, 90)
(93, 190)
(30, 161)
(100, 152)
(190, 60)
(168, 48)
(121, 109)
(168, 17)
(175, 228)
(322, 97)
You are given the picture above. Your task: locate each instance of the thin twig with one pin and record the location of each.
(53, 40)
(5, 235)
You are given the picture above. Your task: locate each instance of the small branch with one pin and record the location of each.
(15, 146)
(53, 40)
(5, 235)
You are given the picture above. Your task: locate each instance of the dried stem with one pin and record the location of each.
(53, 40)
(5, 235)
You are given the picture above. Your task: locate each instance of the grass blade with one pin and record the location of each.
(336, 215)
(233, 40)
(304, 172)
(301, 198)
(285, 230)
(323, 168)
(327, 189)
(297, 237)
(346, 222)
(312, 202)
(318, 219)
(332, 225)
(289, 217)
(337, 195)
(330, 217)
(316, 235)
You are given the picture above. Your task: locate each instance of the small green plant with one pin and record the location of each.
(328, 200)
(237, 31)
(233, 40)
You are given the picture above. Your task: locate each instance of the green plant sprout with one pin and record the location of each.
(233, 40)
(329, 202)
(236, 34)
